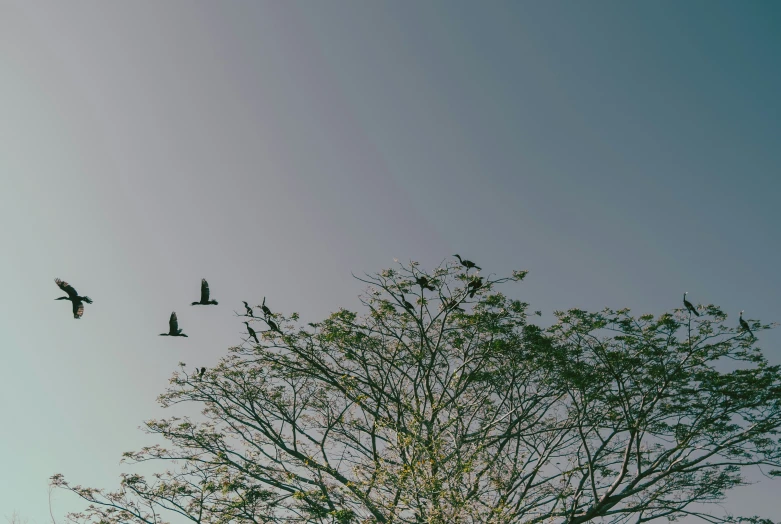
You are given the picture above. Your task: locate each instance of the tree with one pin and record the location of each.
(450, 406)
(14, 518)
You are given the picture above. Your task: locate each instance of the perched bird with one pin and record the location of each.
(200, 374)
(73, 296)
(474, 285)
(266, 311)
(249, 309)
(273, 325)
(468, 264)
(205, 295)
(252, 333)
(689, 305)
(453, 304)
(744, 324)
(173, 328)
(406, 304)
(424, 284)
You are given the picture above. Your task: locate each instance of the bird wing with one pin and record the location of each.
(173, 324)
(78, 309)
(204, 290)
(66, 287)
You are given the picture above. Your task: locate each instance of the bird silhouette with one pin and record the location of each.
(474, 285)
(173, 328)
(200, 374)
(744, 324)
(424, 283)
(468, 264)
(689, 305)
(249, 309)
(452, 304)
(273, 325)
(266, 310)
(406, 304)
(252, 333)
(76, 301)
(205, 295)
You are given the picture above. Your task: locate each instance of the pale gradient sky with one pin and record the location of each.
(622, 152)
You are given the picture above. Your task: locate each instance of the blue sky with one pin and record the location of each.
(623, 152)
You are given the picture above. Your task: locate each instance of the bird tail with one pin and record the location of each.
(88, 300)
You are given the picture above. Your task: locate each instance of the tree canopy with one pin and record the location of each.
(444, 403)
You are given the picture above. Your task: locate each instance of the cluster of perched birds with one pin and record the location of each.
(78, 301)
(693, 310)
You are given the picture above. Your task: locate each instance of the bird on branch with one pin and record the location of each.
(474, 285)
(423, 282)
(273, 325)
(468, 264)
(745, 325)
(266, 310)
(249, 309)
(252, 333)
(452, 304)
(689, 305)
(406, 304)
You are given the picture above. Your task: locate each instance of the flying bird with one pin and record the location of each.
(73, 296)
(205, 295)
(744, 324)
(249, 309)
(689, 305)
(252, 333)
(266, 310)
(468, 264)
(173, 328)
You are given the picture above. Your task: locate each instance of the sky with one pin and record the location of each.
(622, 152)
